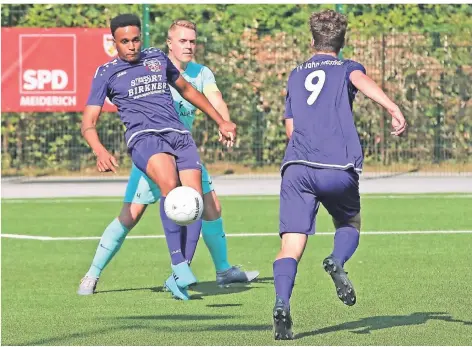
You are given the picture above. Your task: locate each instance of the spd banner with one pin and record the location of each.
(49, 70)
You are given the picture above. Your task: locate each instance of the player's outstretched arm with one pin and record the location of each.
(216, 100)
(370, 89)
(105, 161)
(227, 128)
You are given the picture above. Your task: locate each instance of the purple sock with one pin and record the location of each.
(346, 240)
(183, 239)
(285, 270)
(192, 237)
(172, 232)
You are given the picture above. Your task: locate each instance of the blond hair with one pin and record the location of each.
(182, 23)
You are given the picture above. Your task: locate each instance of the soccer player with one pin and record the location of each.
(141, 191)
(137, 82)
(322, 161)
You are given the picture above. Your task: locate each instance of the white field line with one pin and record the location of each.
(268, 197)
(372, 233)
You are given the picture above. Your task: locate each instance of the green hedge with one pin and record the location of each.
(420, 54)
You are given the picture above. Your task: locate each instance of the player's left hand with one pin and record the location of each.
(399, 123)
(227, 133)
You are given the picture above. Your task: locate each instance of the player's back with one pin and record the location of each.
(319, 101)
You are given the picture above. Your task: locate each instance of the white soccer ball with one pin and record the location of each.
(184, 205)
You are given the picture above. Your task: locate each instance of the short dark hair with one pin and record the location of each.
(328, 29)
(124, 20)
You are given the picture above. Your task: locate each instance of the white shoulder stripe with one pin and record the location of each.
(96, 71)
(151, 50)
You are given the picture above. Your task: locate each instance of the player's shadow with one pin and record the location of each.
(210, 288)
(239, 327)
(264, 280)
(154, 289)
(59, 340)
(182, 317)
(369, 324)
(202, 289)
(223, 305)
(95, 333)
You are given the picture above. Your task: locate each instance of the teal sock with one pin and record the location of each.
(109, 244)
(215, 240)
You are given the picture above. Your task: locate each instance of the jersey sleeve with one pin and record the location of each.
(353, 66)
(99, 89)
(209, 81)
(172, 72)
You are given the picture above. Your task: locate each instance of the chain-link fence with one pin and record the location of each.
(427, 75)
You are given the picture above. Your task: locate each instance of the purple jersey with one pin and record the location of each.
(319, 99)
(140, 90)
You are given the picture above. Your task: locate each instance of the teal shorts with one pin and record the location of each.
(142, 190)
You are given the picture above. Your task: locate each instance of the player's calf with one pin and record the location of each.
(130, 214)
(212, 206)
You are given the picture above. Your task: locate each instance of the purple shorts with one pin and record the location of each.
(302, 190)
(181, 146)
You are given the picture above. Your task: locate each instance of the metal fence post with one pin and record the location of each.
(383, 118)
(146, 34)
(339, 8)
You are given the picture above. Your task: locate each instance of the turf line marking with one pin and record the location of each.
(81, 238)
(256, 197)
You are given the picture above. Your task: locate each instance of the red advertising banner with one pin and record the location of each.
(46, 70)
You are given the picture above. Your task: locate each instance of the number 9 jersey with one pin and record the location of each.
(319, 99)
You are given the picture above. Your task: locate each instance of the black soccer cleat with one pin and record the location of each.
(282, 321)
(344, 287)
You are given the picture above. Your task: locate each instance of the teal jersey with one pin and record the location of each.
(203, 80)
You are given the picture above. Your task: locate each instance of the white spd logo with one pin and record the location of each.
(45, 79)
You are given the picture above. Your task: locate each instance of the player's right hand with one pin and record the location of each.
(227, 133)
(106, 162)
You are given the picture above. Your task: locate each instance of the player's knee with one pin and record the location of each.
(212, 207)
(293, 245)
(167, 184)
(353, 221)
(192, 178)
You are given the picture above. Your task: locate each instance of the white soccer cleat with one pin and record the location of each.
(87, 285)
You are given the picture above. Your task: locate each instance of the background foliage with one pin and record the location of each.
(420, 54)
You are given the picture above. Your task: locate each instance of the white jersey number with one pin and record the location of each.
(314, 88)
